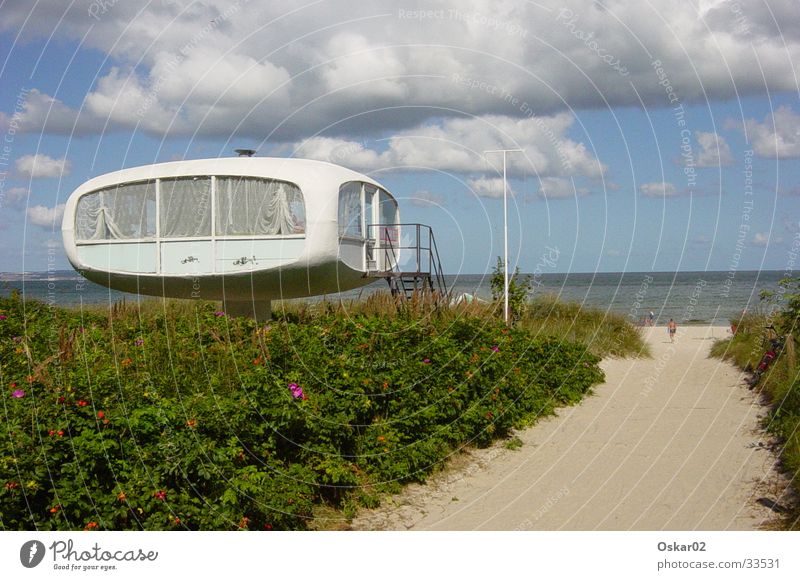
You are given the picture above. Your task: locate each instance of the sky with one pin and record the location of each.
(655, 135)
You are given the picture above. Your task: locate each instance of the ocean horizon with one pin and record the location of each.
(694, 297)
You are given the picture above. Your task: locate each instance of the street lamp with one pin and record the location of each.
(505, 226)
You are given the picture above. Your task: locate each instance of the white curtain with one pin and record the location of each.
(264, 207)
(186, 207)
(245, 206)
(350, 209)
(117, 213)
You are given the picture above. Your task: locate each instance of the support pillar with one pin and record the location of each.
(258, 310)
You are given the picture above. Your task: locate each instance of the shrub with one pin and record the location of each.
(519, 289)
(177, 417)
(780, 384)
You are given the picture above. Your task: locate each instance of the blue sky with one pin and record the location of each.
(413, 96)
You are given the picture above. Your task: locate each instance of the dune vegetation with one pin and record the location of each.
(780, 383)
(171, 415)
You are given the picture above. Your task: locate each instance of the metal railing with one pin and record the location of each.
(407, 250)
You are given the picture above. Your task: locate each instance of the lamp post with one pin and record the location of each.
(505, 226)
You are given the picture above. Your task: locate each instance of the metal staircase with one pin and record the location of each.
(405, 255)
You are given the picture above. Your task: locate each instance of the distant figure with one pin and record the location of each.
(672, 328)
(652, 318)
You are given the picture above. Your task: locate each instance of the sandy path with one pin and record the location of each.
(670, 442)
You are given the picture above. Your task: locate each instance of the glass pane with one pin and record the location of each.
(388, 209)
(350, 209)
(388, 215)
(254, 206)
(186, 207)
(126, 211)
(88, 220)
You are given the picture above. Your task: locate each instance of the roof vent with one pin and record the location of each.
(245, 152)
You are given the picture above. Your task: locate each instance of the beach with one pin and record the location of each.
(671, 442)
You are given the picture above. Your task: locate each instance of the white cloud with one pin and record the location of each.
(353, 59)
(353, 154)
(458, 145)
(489, 187)
(37, 111)
(284, 70)
(658, 189)
(201, 91)
(39, 165)
(13, 197)
(425, 198)
(714, 150)
(778, 136)
(124, 102)
(46, 217)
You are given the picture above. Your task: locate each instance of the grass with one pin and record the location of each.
(780, 386)
(603, 333)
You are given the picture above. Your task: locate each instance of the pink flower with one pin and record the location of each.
(426, 361)
(219, 313)
(297, 391)
(496, 348)
(18, 394)
(3, 316)
(139, 342)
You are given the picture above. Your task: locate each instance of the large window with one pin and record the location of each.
(350, 209)
(387, 210)
(185, 207)
(252, 206)
(126, 211)
(245, 206)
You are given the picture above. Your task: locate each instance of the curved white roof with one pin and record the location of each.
(306, 173)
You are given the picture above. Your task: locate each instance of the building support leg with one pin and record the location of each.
(258, 310)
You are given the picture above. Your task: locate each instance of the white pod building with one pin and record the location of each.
(245, 230)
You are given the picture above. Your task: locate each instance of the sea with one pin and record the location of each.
(686, 297)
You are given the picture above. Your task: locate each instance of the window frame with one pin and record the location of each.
(343, 234)
(148, 239)
(157, 238)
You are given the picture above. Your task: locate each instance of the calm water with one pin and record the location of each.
(688, 297)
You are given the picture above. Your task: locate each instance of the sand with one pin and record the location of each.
(668, 443)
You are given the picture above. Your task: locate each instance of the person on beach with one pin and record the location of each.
(672, 328)
(652, 319)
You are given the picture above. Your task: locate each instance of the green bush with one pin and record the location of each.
(519, 289)
(780, 384)
(178, 417)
